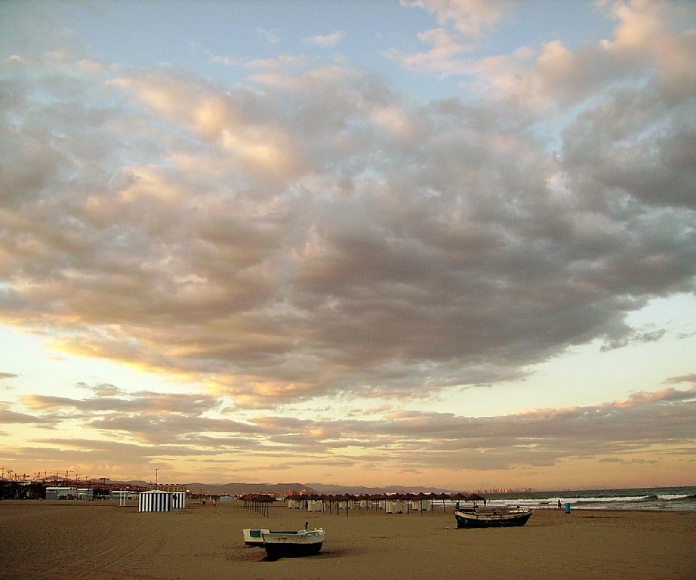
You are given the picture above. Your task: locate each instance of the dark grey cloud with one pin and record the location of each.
(10, 417)
(691, 378)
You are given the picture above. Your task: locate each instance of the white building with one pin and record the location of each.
(124, 494)
(59, 492)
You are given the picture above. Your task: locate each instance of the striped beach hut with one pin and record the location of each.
(178, 500)
(160, 501)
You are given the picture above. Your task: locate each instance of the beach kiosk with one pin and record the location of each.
(161, 501)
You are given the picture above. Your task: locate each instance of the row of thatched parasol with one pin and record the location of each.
(459, 496)
(260, 502)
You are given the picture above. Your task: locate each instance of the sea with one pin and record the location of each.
(675, 499)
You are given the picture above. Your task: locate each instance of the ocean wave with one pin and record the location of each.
(614, 500)
(689, 497)
(650, 499)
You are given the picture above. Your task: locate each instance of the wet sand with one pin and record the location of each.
(101, 540)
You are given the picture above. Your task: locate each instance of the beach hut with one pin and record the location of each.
(394, 506)
(315, 505)
(155, 501)
(124, 495)
(179, 500)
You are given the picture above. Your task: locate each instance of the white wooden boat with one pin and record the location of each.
(293, 544)
(254, 536)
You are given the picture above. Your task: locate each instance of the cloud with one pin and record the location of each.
(469, 17)
(691, 378)
(316, 232)
(269, 36)
(9, 417)
(442, 58)
(634, 338)
(325, 40)
(226, 60)
(146, 427)
(462, 24)
(651, 41)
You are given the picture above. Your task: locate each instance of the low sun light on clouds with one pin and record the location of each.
(436, 242)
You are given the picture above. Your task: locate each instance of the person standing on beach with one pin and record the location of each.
(560, 505)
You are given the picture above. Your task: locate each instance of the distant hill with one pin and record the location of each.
(280, 489)
(236, 488)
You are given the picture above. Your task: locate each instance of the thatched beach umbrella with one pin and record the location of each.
(408, 498)
(421, 497)
(328, 498)
(380, 497)
(473, 497)
(346, 498)
(443, 497)
(259, 502)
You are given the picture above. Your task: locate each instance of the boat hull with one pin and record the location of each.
(292, 544)
(492, 517)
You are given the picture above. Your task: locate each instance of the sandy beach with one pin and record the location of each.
(101, 540)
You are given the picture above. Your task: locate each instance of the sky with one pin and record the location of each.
(445, 243)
